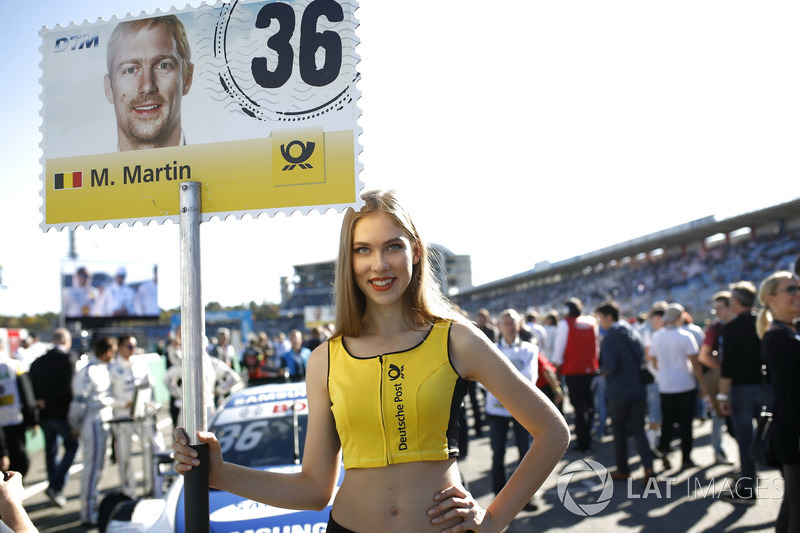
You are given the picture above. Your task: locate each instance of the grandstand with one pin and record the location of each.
(685, 264)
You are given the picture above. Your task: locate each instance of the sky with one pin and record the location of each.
(516, 132)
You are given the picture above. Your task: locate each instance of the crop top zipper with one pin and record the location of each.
(383, 412)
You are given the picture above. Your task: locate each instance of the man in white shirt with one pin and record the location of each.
(674, 352)
(524, 356)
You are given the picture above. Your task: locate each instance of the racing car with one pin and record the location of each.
(260, 427)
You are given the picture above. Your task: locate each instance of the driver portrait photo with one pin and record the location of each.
(149, 73)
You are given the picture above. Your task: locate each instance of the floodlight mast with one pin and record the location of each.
(196, 504)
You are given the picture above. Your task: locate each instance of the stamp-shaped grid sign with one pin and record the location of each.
(256, 100)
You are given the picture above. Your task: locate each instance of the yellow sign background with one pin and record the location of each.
(236, 176)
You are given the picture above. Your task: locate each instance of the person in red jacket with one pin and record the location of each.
(575, 356)
(548, 381)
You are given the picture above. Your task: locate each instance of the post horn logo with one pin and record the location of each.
(306, 151)
(586, 509)
(395, 372)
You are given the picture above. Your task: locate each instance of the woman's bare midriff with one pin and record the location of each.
(394, 498)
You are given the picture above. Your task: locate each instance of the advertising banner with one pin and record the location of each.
(255, 100)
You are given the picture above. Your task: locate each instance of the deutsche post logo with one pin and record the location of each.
(396, 373)
(298, 156)
(305, 152)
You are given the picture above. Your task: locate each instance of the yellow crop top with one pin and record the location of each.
(397, 407)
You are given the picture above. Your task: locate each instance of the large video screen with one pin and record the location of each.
(98, 290)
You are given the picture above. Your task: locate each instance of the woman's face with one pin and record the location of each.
(784, 302)
(383, 258)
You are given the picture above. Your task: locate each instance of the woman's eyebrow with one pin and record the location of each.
(390, 241)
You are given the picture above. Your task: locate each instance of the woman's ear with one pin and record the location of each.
(417, 253)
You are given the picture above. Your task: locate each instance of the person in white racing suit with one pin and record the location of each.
(127, 377)
(90, 412)
(220, 380)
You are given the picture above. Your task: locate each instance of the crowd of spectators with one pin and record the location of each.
(690, 278)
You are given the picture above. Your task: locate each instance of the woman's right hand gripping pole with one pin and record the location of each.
(186, 457)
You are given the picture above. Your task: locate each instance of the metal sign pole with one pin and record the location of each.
(196, 506)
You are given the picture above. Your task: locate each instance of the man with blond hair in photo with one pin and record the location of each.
(149, 72)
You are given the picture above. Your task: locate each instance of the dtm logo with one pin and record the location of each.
(396, 373)
(306, 150)
(77, 42)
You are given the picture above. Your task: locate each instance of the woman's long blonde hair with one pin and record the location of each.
(423, 300)
(767, 288)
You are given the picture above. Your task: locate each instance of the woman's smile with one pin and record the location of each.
(382, 284)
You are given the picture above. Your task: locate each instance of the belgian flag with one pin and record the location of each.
(68, 180)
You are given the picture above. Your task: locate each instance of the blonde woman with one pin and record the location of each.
(776, 324)
(396, 337)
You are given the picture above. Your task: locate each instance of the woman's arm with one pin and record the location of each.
(476, 359)
(313, 487)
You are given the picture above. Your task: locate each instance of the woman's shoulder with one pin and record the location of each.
(469, 346)
(463, 331)
(322, 349)
(317, 367)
